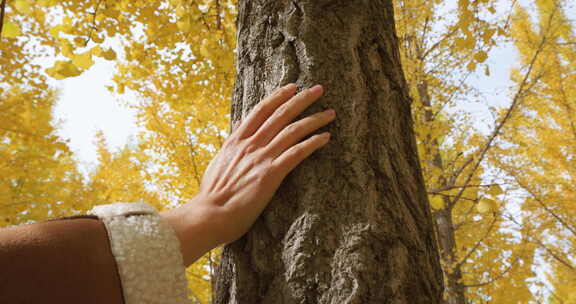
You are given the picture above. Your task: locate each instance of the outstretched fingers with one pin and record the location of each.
(286, 113)
(294, 132)
(292, 157)
(264, 110)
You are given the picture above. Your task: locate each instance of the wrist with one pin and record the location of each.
(194, 226)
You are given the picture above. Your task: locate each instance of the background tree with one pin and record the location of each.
(176, 56)
(39, 175)
(442, 46)
(539, 149)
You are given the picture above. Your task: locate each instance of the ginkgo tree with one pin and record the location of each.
(441, 51)
(538, 151)
(178, 57)
(39, 175)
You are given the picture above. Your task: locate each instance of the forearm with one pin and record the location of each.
(63, 261)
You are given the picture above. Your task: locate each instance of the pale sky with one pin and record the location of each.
(85, 106)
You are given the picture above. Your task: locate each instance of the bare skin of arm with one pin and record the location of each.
(70, 261)
(243, 177)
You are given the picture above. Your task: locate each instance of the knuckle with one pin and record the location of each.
(293, 129)
(260, 158)
(297, 150)
(263, 107)
(249, 148)
(252, 163)
(283, 111)
(228, 143)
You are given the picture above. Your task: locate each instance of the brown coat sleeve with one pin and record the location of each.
(62, 261)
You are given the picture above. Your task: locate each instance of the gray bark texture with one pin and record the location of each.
(351, 224)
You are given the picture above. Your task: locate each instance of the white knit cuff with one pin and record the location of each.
(147, 253)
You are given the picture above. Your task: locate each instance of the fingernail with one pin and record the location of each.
(317, 89)
(326, 135)
(330, 112)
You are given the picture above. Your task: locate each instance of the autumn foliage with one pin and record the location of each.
(502, 191)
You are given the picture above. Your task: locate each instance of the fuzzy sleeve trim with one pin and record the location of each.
(147, 253)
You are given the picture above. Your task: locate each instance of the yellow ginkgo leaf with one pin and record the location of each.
(486, 205)
(460, 43)
(79, 41)
(97, 38)
(46, 3)
(23, 6)
(481, 56)
(63, 69)
(11, 30)
(205, 49)
(26, 116)
(488, 34)
(471, 66)
(67, 48)
(437, 202)
(184, 24)
(55, 31)
(108, 54)
(495, 190)
(181, 11)
(83, 61)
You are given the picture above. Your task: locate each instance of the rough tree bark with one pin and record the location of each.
(351, 224)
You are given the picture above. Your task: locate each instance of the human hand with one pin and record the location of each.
(242, 178)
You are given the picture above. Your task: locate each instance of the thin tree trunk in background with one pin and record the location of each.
(351, 224)
(455, 290)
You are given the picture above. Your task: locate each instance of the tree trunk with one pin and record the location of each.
(455, 292)
(351, 224)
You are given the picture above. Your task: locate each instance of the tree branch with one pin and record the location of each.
(2, 11)
(515, 101)
(547, 208)
(496, 278)
(450, 187)
(541, 244)
(477, 244)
